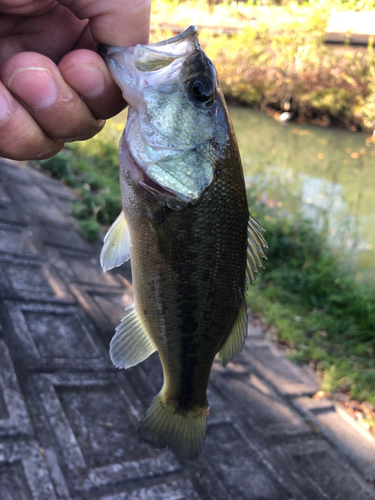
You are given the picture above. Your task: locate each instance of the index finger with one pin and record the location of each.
(114, 22)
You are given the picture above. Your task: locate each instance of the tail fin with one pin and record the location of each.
(165, 426)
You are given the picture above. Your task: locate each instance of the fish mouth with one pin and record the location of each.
(176, 45)
(135, 68)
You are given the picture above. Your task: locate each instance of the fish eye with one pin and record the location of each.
(202, 88)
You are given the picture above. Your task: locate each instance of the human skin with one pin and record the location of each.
(54, 87)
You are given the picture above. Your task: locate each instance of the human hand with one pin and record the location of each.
(54, 87)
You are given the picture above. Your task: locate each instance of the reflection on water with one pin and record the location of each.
(329, 174)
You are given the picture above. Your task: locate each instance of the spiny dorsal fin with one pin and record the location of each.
(167, 240)
(116, 248)
(131, 344)
(255, 245)
(236, 339)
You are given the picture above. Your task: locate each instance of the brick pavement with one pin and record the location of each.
(68, 418)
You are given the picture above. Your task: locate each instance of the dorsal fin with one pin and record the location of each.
(236, 339)
(131, 344)
(116, 248)
(255, 252)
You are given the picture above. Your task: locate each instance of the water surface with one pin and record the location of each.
(329, 174)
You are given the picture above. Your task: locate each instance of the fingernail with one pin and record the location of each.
(34, 86)
(89, 81)
(4, 108)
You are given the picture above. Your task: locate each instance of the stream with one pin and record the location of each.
(326, 174)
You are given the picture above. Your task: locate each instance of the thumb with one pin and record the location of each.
(114, 22)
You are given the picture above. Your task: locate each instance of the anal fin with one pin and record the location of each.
(116, 248)
(236, 338)
(131, 344)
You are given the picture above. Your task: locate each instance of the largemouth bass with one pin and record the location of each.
(186, 225)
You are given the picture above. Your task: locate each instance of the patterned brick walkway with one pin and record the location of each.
(68, 418)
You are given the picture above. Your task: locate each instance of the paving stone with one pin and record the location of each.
(14, 418)
(82, 268)
(321, 473)
(50, 336)
(4, 415)
(8, 211)
(32, 278)
(23, 474)
(4, 198)
(106, 307)
(176, 490)
(15, 240)
(61, 195)
(63, 235)
(260, 406)
(271, 363)
(229, 470)
(39, 176)
(94, 424)
(8, 214)
(14, 171)
(46, 211)
(4, 284)
(353, 441)
(145, 379)
(254, 332)
(30, 191)
(52, 187)
(113, 306)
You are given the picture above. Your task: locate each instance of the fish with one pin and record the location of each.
(186, 225)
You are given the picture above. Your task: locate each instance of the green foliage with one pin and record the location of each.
(333, 100)
(91, 168)
(89, 229)
(266, 67)
(58, 166)
(316, 304)
(355, 5)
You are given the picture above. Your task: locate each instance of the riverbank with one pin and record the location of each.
(280, 63)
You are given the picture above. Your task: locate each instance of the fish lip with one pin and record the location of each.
(107, 51)
(103, 50)
(188, 32)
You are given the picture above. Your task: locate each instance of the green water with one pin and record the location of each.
(328, 174)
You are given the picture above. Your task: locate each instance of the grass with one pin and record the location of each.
(91, 169)
(313, 301)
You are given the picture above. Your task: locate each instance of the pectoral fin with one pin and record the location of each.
(255, 252)
(236, 339)
(116, 248)
(131, 344)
